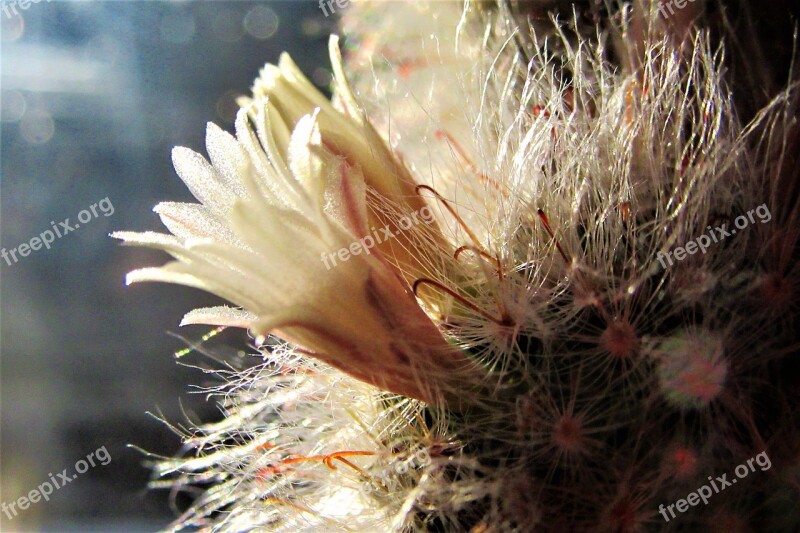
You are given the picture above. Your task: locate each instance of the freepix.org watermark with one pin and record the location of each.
(10, 6)
(365, 244)
(42, 492)
(715, 235)
(663, 6)
(719, 484)
(48, 237)
(327, 6)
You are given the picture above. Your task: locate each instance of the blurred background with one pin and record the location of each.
(94, 97)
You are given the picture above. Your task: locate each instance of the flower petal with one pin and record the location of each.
(228, 157)
(222, 315)
(192, 221)
(202, 180)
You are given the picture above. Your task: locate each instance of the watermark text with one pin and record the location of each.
(48, 237)
(719, 484)
(42, 492)
(378, 236)
(327, 6)
(714, 235)
(665, 5)
(10, 6)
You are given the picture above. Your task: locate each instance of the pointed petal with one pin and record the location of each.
(228, 157)
(162, 274)
(201, 179)
(340, 81)
(192, 221)
(219, 316)
(147, 238)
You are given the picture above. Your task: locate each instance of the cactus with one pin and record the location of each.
(599, 319)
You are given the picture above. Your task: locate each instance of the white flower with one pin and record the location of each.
(560, 170)
(276, 200)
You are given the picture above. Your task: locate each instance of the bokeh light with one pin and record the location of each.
(261, 22)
